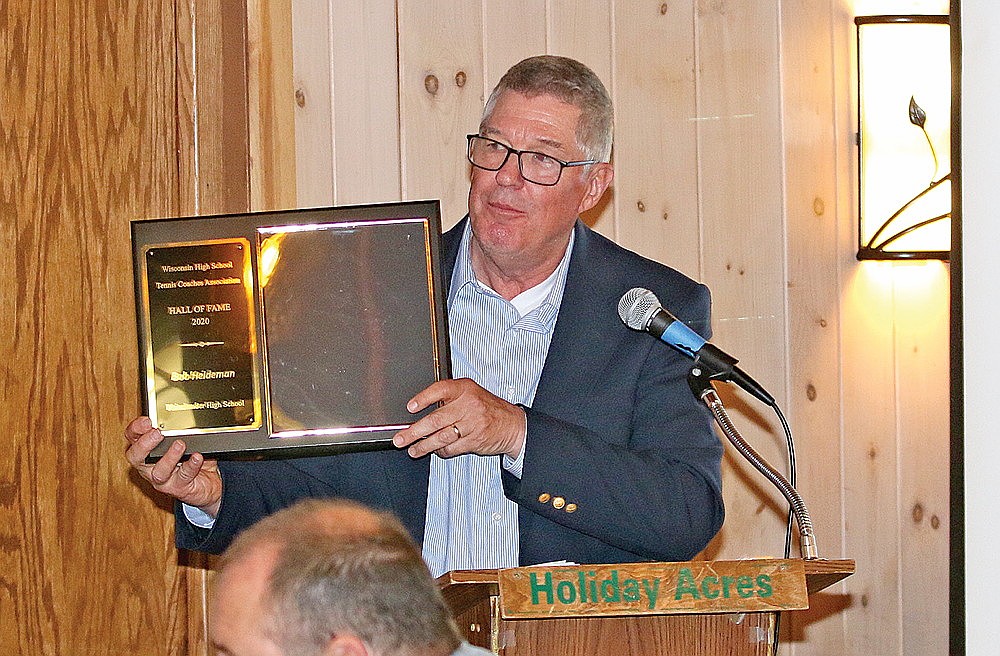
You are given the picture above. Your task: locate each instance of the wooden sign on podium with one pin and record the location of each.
(634, 609)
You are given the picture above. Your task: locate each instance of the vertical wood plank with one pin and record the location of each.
(271, 97)
(870, 460)
(740, 194)
(918, 320)
(441, 83)
(512, 31)
(922, 322)
(314, 134)
(347, 108)
(656, 155)
(896, 473)
(584, 30)
(365, 101)
(187, 21)
(214, 165)
(878, 504)
(812, 199)
(869, 479)
(212, 106)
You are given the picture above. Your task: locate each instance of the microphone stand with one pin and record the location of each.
(700, 382)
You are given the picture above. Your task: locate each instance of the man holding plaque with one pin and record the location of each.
(564, 435)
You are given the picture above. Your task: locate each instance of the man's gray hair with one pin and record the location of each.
(344, 568)
(571, 82)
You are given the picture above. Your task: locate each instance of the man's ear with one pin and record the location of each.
(599, 179)
(345, 644)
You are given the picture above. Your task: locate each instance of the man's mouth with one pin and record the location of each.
(505, 209)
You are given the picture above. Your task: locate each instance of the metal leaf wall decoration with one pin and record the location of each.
(917, 114)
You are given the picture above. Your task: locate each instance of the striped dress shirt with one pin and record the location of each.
(500, 345)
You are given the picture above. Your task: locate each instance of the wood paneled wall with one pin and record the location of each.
(109, 111)
(89, 136)
(735, 164)
(734, 155)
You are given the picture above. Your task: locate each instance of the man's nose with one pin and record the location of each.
(509, 175)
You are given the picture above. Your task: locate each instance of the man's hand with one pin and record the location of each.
(195, 481)
(470, 420)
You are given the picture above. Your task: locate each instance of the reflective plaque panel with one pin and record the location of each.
(344, 336)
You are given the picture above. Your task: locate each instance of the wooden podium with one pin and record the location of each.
(634, 609)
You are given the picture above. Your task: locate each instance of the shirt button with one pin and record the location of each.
(558, 503)
(496, 516)
(544, 497)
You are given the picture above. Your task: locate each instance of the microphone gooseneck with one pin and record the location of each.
(807, 537)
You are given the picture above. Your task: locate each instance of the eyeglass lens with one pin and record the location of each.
(535, 167)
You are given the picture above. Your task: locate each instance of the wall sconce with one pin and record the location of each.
(904, 137)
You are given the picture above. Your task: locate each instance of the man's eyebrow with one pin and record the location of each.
(545, 141)
(558, 145)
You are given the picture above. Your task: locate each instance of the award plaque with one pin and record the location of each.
(288, 333)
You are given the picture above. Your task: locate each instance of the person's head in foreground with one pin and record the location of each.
(327, 577)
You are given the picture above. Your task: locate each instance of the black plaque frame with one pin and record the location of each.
(344, 321)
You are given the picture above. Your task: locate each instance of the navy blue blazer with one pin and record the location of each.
(621, 463)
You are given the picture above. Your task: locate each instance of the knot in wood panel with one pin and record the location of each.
(431, 84)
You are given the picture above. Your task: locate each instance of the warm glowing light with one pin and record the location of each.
(904, 100)
(270, 253)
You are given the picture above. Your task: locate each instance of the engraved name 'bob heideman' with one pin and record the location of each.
(204, 374)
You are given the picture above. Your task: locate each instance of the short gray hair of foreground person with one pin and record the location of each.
(329, 577)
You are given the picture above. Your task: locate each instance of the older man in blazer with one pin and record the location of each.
(565, 435)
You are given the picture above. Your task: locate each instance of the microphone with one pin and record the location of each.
(640, 310)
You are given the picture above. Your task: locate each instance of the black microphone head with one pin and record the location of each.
(637, 306)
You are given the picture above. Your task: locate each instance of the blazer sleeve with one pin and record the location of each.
(251, 491)
(387, 479)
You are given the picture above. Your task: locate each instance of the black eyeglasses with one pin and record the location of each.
(539, 168)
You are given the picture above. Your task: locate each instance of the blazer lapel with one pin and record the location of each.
(575, 324)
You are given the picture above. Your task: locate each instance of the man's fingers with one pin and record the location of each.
(189, 469)
(425, 428)
(423, 399)
(166, 466)
(137, 428)
(142, 446)
(442, 391)
(435, 442)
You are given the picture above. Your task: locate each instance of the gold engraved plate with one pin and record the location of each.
(201, 372)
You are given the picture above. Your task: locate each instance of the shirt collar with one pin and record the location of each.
(546, 293)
